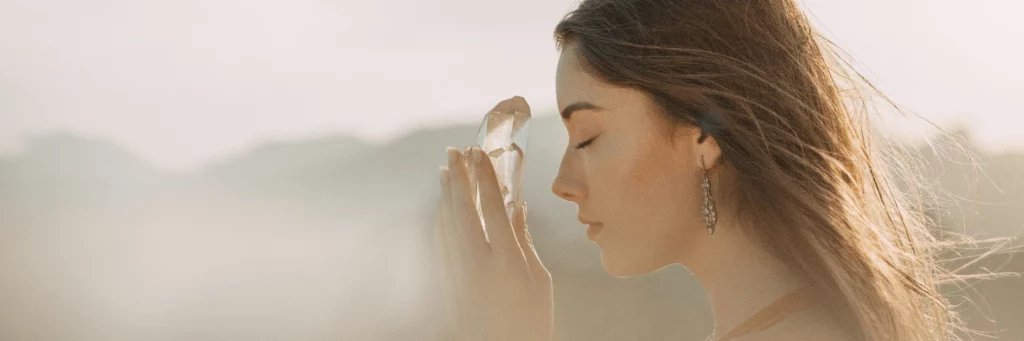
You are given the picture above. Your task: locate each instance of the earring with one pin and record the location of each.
(707, 208)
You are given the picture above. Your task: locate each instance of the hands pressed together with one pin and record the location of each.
(497, 290)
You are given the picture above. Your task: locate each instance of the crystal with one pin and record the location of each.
(503, 135)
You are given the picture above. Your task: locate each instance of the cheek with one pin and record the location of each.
(648, 191)
(654, 190)
(648, 209)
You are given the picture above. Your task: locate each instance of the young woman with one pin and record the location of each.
(717, 135)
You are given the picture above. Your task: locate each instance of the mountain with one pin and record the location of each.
(59, 168)
(267, 161)
(329, 239)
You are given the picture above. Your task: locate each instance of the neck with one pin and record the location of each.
(739, 276)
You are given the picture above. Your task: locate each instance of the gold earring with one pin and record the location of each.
(707, 208)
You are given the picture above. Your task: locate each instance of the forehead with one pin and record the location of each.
(572, 83)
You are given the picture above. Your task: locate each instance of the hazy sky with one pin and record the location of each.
(184, 82)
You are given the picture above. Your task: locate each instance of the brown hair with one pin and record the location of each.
(757, 76)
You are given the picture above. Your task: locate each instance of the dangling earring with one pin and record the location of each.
(709, 215)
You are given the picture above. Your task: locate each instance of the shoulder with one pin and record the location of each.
(811, 324)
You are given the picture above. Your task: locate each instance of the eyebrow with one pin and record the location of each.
(567, 112)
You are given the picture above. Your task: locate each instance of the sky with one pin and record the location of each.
(187, 82)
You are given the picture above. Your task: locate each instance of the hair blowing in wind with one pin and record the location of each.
(794, 123)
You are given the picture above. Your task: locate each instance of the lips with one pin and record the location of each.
(593, 227)
(586, 221)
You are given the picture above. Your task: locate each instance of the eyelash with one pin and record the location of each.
(586, 143)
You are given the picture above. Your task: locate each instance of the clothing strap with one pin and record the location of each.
(773, 313)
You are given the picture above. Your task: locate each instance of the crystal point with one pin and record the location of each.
(503, 135)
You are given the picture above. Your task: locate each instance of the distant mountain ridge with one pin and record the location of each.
(332, 226)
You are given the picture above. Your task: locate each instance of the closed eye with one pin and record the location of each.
(586, 143)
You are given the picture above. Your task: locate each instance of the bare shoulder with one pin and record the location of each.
(812, 324)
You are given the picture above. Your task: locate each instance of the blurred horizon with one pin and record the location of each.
(919, 136)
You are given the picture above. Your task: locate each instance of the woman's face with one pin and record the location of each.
(641, 187)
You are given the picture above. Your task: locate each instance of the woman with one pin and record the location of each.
(716, 135)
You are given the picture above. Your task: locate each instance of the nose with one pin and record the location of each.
(569, 183)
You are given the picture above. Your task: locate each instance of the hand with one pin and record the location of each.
(497, 290)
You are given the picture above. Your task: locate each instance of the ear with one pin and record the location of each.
(707, 153)
(699, 143)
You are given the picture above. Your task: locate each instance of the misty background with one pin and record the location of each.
(260, 170)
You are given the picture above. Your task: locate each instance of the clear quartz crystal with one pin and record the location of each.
(503, 135)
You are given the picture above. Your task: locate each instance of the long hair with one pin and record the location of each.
(791, 121)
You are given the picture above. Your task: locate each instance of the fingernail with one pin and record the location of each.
(525, 211)
(453, 155)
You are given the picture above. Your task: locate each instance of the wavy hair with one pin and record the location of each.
(793, 120)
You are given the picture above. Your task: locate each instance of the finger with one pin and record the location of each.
(453, 244)
(472, 181)
(444, 264)
(519, 228)
(496, 218)
(537, 269)
(458, 260)
(464, 214)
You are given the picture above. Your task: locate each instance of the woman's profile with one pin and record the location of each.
(717, 135)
